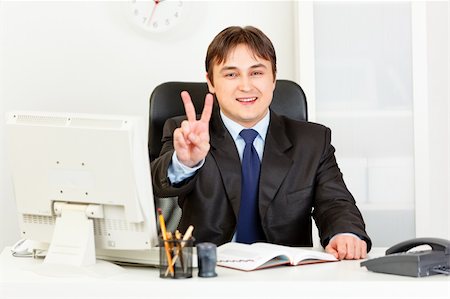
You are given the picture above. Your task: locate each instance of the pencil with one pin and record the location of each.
(178, 237)
(162, 223)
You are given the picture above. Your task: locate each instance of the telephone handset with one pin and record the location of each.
(435, 244)
(398, 260)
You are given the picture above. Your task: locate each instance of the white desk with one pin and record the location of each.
(345, 279)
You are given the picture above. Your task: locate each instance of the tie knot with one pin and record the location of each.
(248, 135)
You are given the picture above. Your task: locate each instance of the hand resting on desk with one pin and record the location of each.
(347, 247)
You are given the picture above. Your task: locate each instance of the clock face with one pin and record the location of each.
(157, 15)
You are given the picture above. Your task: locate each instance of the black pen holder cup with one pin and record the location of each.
(175, 258)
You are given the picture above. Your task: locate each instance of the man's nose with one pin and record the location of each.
(245, 83)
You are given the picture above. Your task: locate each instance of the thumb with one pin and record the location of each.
(330, 249)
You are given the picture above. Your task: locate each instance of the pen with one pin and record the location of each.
(186, 237)
(162, 223)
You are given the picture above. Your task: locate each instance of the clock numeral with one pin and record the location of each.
(141, 15)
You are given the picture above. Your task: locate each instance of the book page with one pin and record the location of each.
(297, 255)
(246, 257)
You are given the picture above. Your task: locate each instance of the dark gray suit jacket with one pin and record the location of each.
(299, 179)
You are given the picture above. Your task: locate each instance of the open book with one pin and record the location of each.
(263, 255)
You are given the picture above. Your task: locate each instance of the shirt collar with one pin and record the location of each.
(234, 128)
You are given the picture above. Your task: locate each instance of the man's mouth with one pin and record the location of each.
(246, 100)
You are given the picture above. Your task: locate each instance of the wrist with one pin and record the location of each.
(186, 167)
(189, 164)
(344, 234)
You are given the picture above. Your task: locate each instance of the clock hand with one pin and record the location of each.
(153, 10)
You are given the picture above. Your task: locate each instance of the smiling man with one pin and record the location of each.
(242, 172)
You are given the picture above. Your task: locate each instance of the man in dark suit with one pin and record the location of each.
(298, 177)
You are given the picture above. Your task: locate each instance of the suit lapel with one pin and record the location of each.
(275, 164)
(224, 152)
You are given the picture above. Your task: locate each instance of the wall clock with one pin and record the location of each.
(158, 15)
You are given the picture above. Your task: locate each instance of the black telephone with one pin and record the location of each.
(415, 263)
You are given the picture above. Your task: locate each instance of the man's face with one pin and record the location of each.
(243, 85)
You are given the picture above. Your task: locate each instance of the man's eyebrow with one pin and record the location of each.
(258, 65)
(228, 68)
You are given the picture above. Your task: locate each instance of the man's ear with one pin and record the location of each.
(210, 85)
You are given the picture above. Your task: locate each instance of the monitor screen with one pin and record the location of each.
(82, 185)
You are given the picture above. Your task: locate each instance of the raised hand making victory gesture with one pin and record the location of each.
(191, 140)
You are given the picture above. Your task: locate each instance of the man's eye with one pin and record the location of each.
(231, 75)
(257, 73)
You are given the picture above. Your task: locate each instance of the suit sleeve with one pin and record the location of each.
(335, 210)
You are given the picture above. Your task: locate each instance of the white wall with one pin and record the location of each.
(87, 57)
(438, 115)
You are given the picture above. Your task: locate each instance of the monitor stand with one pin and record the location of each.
(73, 237)
(72, 249)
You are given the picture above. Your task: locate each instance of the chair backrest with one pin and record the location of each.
(165, 102)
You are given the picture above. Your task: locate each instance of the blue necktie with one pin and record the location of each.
(249, 228)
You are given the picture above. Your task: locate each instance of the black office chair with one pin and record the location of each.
(165, 102)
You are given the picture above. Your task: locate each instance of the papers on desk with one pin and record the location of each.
(263, 255)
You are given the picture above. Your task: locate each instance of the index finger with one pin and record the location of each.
(188, 106)
(207, 108)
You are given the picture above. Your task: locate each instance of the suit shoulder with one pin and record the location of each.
(301, 132)
(293, 124)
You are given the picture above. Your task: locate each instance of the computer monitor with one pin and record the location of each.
(82, 185)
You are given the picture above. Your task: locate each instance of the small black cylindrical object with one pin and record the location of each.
(207, 259)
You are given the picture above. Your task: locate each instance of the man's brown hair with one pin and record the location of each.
(229, 38)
